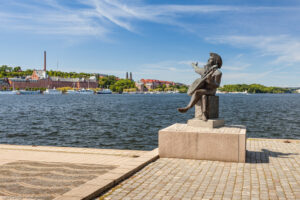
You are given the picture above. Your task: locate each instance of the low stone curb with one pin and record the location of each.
(76, 150)
(97, 186)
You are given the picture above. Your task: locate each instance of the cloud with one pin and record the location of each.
(267, 78)
(167, 65)
(237, 66)
(176, 70)
(99, 17)
(50, 18)
(285, 48)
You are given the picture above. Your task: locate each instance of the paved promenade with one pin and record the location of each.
(272, 171)
(36, 172)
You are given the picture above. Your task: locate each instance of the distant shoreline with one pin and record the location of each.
(255, 89)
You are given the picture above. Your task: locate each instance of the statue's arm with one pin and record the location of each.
(198, 69)
(218, 79)
(215, 79)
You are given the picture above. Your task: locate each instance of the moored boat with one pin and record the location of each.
(105, 91)
(71, 92)
(27, 92)
(84, 91)
(52, 91)
(9, 92)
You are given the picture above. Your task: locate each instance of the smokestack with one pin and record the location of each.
(45, 60)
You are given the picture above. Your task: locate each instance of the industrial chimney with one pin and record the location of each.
(45, 61)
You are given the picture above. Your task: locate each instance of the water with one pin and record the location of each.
(133, 121)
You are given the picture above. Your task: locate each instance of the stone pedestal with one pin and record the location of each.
(203, 143)
(212, 107)
(211, 123)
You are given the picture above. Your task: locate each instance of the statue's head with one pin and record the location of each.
(215, 59)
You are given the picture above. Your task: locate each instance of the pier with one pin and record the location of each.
(271, 171)
(40, 172)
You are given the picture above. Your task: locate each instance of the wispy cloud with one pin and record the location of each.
(285, 48)
(98, 17)
(236, 66)
(176, 70)
(179, 66)
(50, 18)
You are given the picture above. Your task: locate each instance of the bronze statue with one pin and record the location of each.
(206, 85)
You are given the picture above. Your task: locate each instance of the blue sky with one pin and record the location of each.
(259, 41)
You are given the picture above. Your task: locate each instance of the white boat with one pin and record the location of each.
(9, 92)
(27, 92)
(84, 91)
(52, 91)
(71, 92)
(105, 91)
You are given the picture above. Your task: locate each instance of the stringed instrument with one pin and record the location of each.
(199, 82)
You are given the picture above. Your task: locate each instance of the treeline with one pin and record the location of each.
(164, 88)
(115, 84)
(69, 74)
(111, 82)
(253, 88)
(10, 72)
(126, 85)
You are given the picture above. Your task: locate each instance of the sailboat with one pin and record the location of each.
(86, 91)
(53, 91)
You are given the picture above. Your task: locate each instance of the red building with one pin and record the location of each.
(152, 83)
(40, 79)
(53, 82)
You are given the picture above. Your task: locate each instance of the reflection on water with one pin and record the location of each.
(133, 121)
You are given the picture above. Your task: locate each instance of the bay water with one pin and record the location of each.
(132, 121)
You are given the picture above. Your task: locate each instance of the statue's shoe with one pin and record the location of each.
(182, 110)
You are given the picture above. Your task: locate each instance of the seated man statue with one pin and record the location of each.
(206, 85)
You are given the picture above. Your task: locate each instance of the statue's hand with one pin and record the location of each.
(195, 65)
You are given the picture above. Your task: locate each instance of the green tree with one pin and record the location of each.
(183, 89)
(108, 81)
(122, 84)
(253, 88)
(17, 69)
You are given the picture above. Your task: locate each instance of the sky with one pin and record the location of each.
(259, 41)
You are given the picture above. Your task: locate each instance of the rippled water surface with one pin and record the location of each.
(133, 121)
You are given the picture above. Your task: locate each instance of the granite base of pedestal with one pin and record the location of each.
(227, 143)
(211, 123)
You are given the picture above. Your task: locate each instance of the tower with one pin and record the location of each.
(130, 76)
(126, 75)
(45, 60)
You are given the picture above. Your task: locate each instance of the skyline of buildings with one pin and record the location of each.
(41, 79)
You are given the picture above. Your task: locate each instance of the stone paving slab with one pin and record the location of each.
(271, 171)
(40, 172)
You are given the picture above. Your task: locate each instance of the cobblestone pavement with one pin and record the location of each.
(272, 171)
(30, 172)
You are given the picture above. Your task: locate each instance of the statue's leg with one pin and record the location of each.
(194, 99)
(204, 107)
